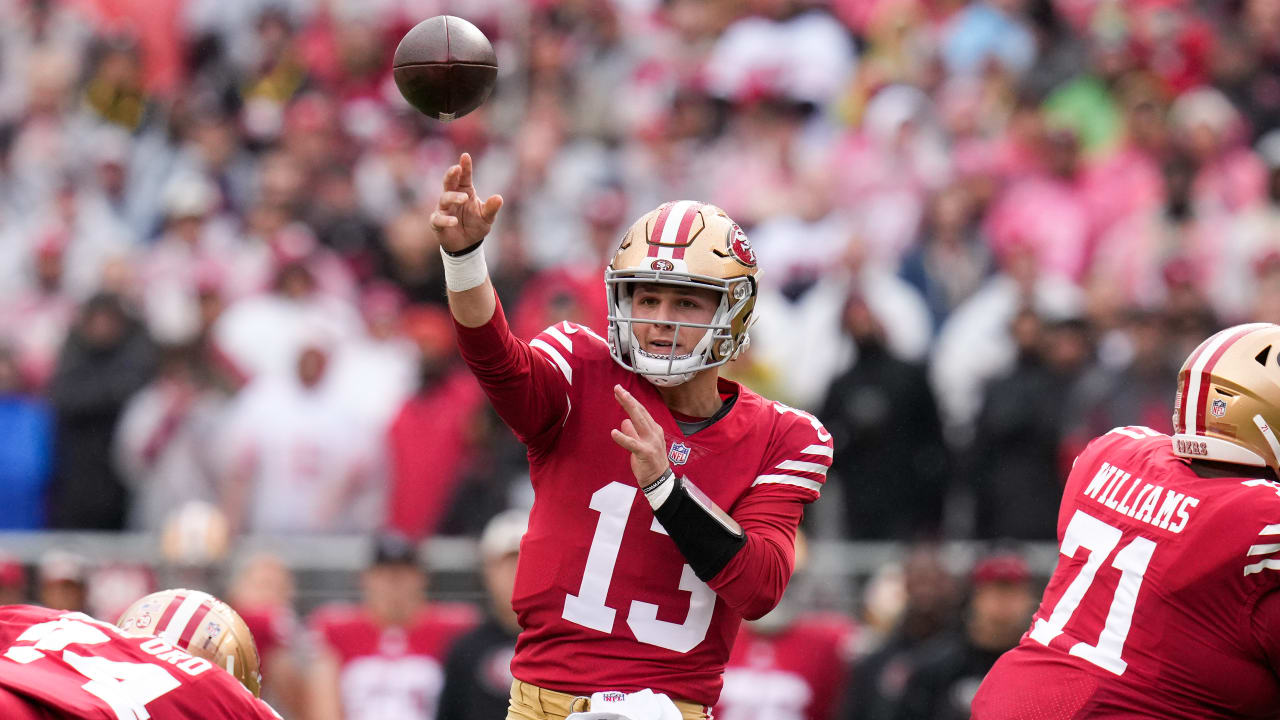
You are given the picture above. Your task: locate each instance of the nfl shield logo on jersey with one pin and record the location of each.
(1219, 408)
(679, 453)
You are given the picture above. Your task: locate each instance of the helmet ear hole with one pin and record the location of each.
(1261, 357)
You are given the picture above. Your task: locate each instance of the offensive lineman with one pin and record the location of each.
(666, 498)
(176, 654)
(1166, 599)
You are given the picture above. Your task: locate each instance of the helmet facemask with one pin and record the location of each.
(717, 346)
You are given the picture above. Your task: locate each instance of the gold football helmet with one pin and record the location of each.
(690, 244)
(1228, 402)
(200, 624)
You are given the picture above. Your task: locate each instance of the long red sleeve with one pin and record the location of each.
(754, 580)
(527, 391)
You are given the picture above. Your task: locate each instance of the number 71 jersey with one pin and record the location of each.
(69, 665)
(1163, 602)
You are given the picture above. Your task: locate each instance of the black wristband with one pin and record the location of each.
(702, 532)
(463, 251)
(667, 475)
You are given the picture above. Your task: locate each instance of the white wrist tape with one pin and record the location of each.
(464, 272)
(658, 492)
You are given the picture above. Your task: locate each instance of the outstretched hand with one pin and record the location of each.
(642, 436)
(460, 219)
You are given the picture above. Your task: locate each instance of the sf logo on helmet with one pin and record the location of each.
(741, 247)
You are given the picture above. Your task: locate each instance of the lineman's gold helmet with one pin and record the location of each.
(200, 624)
(690, 244)
(1228, 402)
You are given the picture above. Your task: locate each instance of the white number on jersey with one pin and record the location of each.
(823, 435)
(125, 687)
(1100, 539)
(587, 608)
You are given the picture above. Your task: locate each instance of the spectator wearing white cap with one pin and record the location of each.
(477, 673)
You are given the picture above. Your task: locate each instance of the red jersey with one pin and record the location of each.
(1162, 604)
(605, 598)
(69, 665)
(390, 672)
(797, 673)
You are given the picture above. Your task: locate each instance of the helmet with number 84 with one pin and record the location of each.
(200, 624)
(1228, 401)
(685, 244)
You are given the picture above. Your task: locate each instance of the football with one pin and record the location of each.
(445, 67)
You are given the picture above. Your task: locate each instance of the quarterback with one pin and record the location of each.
(175, 654)
(666, 498)
(1166, 599)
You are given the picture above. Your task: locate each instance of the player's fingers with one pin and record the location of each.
(441, 221)
(490, 209)
(638, 412)
(627, 442)
(452, 198)
(630, 404)
(451, 177)
(464, 175)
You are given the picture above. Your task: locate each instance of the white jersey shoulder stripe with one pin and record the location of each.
(1268, 564)
(822, 450)
(806, 483)
(1270, 530)
(802, 466)
(1263, 549)
(567, 328)
(1137, 432)
(561, 338)
(554, 356)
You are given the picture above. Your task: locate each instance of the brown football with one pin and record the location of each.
(445, 67)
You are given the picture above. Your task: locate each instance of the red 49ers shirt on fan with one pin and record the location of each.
(391, 672)
(70, 665)
(606, 600)
(1163, 603)
(795, 672)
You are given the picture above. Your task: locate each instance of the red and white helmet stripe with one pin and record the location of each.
(671, 229)
(183, 615)
(1195, 386)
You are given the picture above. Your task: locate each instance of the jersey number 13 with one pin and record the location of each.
(587, 608)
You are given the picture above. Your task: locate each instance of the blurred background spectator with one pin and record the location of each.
(107, 358)
(943, 683)
(62, 581)
(927, 609)
(27, 454)
(384, 657)
(792, 662)
(13, 582)
(477, 672)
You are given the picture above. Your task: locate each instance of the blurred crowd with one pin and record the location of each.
(989, 231)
